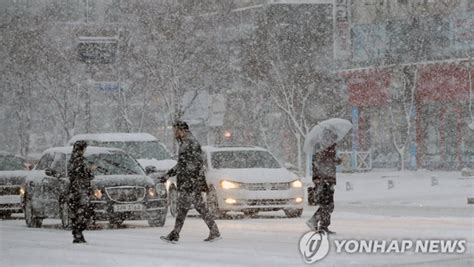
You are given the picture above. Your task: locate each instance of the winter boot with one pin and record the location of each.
(213, 237)
(78, 238)
(312, 224)
(326, 229)
(172, 237)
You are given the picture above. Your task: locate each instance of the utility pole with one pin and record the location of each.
(298, 144)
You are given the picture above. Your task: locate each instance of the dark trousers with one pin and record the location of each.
(325, 198)
(185, 200)
(81, 213)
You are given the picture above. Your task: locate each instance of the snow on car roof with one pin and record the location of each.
(90, 150)
(232, 148)
(113, 137)
(7, 154)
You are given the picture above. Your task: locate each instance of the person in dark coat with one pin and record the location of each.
(80, 190)
(191, 183)
(324, 178)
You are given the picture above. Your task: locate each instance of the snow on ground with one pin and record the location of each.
(413, 209)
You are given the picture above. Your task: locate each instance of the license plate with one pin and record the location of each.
(128, 207)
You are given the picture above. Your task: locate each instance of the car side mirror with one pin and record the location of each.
(150, 169)
(51, 172)
(28, 166)
(292, 168)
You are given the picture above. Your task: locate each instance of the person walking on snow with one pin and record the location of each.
(324, 178)
(191, 183)
(80, 190)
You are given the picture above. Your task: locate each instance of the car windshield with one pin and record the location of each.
(114, 164)
(243, 160)
(140, 150)
(10, 163)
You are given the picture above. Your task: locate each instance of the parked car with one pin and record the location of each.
(13, 171)
(250, 180)
(122, 191)
(145, 148)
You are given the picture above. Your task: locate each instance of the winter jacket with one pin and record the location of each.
(80, 177)
(324, 165)
(189, 170)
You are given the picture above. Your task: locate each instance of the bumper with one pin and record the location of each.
(10, 203)
(105, 210)
(240, 200)
(10, 199)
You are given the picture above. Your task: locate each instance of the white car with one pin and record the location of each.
(13, 171)
(250, 179)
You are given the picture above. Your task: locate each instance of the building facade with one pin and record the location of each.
(415, 56)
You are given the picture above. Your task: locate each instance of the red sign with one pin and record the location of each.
(443, 83)
(368, 88)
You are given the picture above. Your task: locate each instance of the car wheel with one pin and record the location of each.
(64, 214)
(30, 219)
(213, 204)
(173, 201)
(293, 213)
(250, 213)
(115, 222)
(157, 222)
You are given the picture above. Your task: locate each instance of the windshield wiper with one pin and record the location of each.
(129, 171)
(102, 170)
(99, 168)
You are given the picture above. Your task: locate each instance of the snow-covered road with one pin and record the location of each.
(263, 241)
(268, 240)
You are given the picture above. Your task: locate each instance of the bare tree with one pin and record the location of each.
(21, 43)
(401, 110)
(174, 62)
(292, 70)
(56, 80)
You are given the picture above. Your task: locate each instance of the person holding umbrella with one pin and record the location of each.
(321, 142)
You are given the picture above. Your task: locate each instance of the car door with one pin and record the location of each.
(207, 168)
(53, 185)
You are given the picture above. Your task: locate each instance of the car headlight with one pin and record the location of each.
(229, 185)
(98, 193)
(297, 184)
(152, 192)
(22, 191)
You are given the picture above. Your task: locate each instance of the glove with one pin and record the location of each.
(163, 179)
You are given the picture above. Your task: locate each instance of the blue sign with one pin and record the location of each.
(108, 87)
